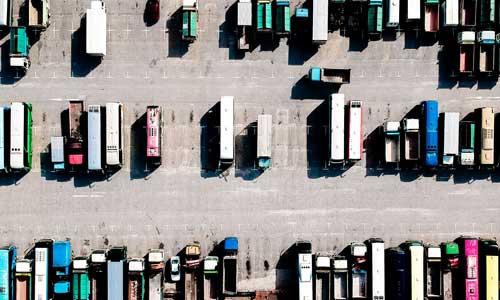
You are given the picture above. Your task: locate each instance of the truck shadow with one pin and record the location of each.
(374, 149)
(137, 148)
(305, 89)
(176, 46)
(209, 142)
(246, 153)
(81, 63)
(444, 57)
(14, 178)
(285, 271)
(317, 145)
(228, 31)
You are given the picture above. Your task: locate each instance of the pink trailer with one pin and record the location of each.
(470, 246)
(154, 134)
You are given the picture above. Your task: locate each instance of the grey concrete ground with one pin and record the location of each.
(179, 202)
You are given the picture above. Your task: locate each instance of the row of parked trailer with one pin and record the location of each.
(49, 270)
(464, 269)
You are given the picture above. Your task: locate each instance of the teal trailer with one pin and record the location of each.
(264, 16)
(282, 26)
(375, 16)
(19, 48)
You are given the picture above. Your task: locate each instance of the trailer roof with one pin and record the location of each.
(226, 127)
(96, 30)
(320, 20)
(413, 10)
(451, 132)
(244, 13)
(264, 135)
(451, 14)
(57, 148)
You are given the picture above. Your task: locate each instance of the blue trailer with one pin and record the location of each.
(430, 115)
(7, 272)
(61, 262)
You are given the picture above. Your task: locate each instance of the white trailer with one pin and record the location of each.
(451, 133)
(305, 276)
(336, 130)
(413, 11)
(320, 21)
(5, 12)
(377, 268)
(226, 130)
(355, 130)
(451, 13)
(96, 30)
(264, 140)
(393, 10)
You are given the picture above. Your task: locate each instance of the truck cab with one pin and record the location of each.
(61, 263)
(19, 49)
(328, 75)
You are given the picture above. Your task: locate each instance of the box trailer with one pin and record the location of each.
(264, 140)
(450, 138)
(468, 10)
(415, 253)
(487, 139)
(39, 14)
(304, 272)
(488, 268)
(94, 138)
(376, 269)
(5, 12)
(320, 22)
(115, 272)
(96, 29)
(430, 118)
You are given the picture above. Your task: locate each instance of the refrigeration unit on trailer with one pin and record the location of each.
(96, 29)
(450, 138)
(376, 269)
(355, 137)
(336, 137)
(264, 140)
(94, 138)
(114, 135)
(226, 131)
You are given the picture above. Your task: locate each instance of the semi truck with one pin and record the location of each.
(210, 275)
(304, 270)
(375, 17)
(230, 266)
(74, 143)
(96, 29)
(467, 143)
(320, 22)
(189, 20)
(412, 139)
(487, 45)
(355, 136)
(192, 262)
(39, 14)
(81, 280)
(451, 265)
(433, 273)
(392, 142)
(97, 273)
(376, 269)
(322, 277)
(336, 134)
(431, 11)
(19, 49)
(8, 256)
(358, 271)
(430, 117)
(61, 263)
(264, 141)
(282, 20)
(468, 9)
(264, 16)
(155, 269)
(136, 281)
(57, 153)
(24, 279)
(450, 138)
(329, 75)
(244, 24)
(340, 278)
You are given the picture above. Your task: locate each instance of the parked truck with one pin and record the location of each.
(244, 24)
(61, 263)
(412, 139)
(155, 270)
(230, 266)
(434, 275)
(39, 14)
(487, 55)
(468, 9)
(304, 270)
(97, 273)
(392, 142)
(189, 20)
(115, 272)
(431, 8)
(74, 143)
(136, 281)
(375, 17)
(451, 265)
(264, 16)
(96, 29)
(467, 49)
(450, 138)
(210, 275)
(322, 274)
(19, 49)
(358, 271)
(340, 278)
(467, 143)
(329, 75)
(264, 141)
(192, 262)
(57, 153)
(24, 279)
(81, 280)
(282, 20)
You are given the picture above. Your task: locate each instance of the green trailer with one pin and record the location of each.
(189, 20)
(375, 17)
(19, 48)
(81, 281)
(282, 26)
(264, 16)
